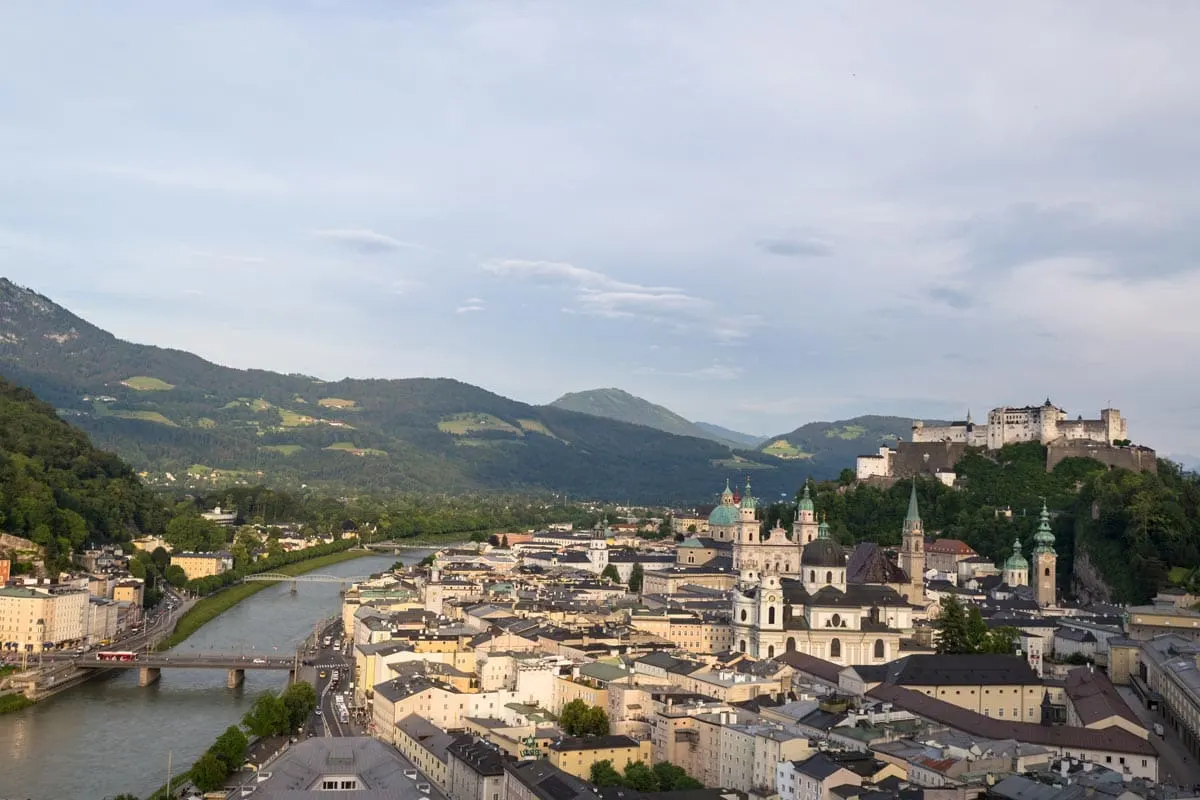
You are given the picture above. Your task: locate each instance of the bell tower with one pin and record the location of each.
(912, 550)
(1045, 562)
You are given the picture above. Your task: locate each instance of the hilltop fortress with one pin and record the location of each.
(935, 449)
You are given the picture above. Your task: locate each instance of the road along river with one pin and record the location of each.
(109, 736)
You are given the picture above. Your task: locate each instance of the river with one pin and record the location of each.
(109, 736)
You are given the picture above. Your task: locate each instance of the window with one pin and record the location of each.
(791, 644)
(835, 648)
(829, 577)
(880, 649)
(742, 645)
(1016, 713)
(837, 620)
(743, 615)
(771, 615)
(771, 649)
(1047, 572)
(1108, 759)
(1000, 712)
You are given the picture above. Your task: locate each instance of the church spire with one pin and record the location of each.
(1044, 538)
(913, 515)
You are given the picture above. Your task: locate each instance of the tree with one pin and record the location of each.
(175, 576)
(300, 700)
(137, 568)
(209, 773)
(268, 716)
(640, 777)
(161, 558)
(570, 719)
(192, 533)
(479, 536)
(977, 630)
(951, 625)
(636, 577)
(672, 778)
(604, 774)
(1001, 640)
(427, 561)
(847, 477)
(595, 722)
(610, 572)
(230, 747)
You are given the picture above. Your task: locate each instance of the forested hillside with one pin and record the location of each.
(58, 490)
(193, 424)
(1134, 527)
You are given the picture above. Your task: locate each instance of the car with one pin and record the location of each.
(324, 674)
(423, 788)
(318, 712)
(410, 773)
(260, 661)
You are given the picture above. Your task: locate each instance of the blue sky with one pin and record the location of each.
(755, 213)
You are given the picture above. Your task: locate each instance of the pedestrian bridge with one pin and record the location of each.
(279, 576)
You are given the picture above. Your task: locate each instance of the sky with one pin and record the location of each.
(758, 214)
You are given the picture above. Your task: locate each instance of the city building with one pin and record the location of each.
(1008, 425)
(202, 565)
(426, 746)
(944, 555)
(315, 767)
(32, 619)
(223, 518)
(575, 755)
(474, 770)
(129, 592)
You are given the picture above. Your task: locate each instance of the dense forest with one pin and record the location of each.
(1133, 527)
(58, 490)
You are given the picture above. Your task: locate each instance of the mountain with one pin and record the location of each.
(57, 489)
(188, 422)
(829, 447)
(725, 434)
(621, 405)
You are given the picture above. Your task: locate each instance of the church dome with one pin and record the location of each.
(724, 515)
(806, 503)
(1016, 561)
(823, 553)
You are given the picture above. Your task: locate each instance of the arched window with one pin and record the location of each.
(835, 648)
(742, 645)
(879, 648)
(829, 577)
(771, 615)
(812, 576)
(751, 537)
(1047, 572)
(771, 651)
(791, 644)
(743, 615)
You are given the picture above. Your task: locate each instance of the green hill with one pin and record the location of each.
(189, 422)
(828, 447)
(58, 490)
(622, 406)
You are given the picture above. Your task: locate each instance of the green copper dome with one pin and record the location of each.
(806, 503)
(1016, 561)
(724, 514)
(1044, 538)
(823, 530)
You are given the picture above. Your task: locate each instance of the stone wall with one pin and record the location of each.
(910, 458)
(1135, 458)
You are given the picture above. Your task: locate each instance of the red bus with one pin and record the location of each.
(116, 655)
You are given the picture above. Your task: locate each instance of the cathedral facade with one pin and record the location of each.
(793, 593)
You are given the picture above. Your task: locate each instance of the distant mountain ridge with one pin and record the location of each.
(185, 421)
(826, 445)
(620, 405)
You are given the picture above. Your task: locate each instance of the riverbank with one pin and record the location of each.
(14, 702)
(209, 608)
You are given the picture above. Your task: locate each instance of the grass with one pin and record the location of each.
(290, 419)
(283, 449)
(782, 448)
(739, 463)
(533, 426)
(209, 608)
(350, 447)
(13, 702)
(335, 402)
(846, 432)
(206, 422)
(144, 383)
(1178, 575)
(466, 424)
(145, 416)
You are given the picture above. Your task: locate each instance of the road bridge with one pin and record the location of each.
(150, 665)
(306, 578)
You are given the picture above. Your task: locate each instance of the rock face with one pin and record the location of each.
(1086, 583)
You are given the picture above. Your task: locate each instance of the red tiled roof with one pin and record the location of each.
(952, 546)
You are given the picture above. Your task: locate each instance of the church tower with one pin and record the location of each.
(1016, 568)
(1045, 562)
(598, 548)
(804, 530)
(912, 551)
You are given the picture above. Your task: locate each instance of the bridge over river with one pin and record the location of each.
(150, 665)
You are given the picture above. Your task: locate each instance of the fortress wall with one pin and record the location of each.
(1136, 458)
(910, 460)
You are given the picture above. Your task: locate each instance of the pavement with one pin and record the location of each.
(1176, 766)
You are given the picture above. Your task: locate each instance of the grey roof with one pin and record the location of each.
(869, 564)
(379, 768)
(479, 756)
(1095, 698)
(975, 669)
(818, 766)
(427, 735)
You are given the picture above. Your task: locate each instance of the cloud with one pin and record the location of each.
(712, 372)
(470, 306)
(954, 298)
(795, 248)
(365, 242)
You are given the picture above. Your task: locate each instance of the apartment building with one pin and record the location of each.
(576, 755)
(474, 770)
(34, 619)
(202, 565)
